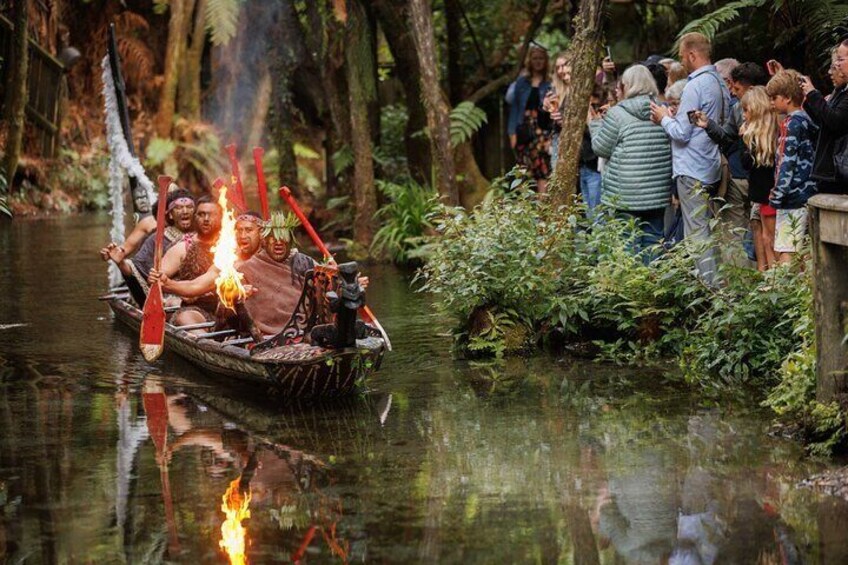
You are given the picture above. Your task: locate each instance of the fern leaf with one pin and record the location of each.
(465, 120)
(710, 23)
(222, 20)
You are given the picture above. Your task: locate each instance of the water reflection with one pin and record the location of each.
(106, 459)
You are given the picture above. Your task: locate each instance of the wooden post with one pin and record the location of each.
(829, 229)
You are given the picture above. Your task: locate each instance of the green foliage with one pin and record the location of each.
(465, 120)
(391, 154)
(86, 175)
(158, 151)
(342, 159)
(222, 20)
(405, 219)
(712, 22)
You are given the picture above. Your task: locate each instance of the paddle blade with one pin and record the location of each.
(152, 335)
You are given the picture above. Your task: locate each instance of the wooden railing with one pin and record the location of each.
(44, 88)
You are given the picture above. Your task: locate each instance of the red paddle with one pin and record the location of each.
(152, 336)
(156, 409)
(262, 187)
(365, 311)
(238, 189)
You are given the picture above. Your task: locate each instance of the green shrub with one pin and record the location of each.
(405, 219)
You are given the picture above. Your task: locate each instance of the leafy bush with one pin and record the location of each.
(406, 219)
(86, 175)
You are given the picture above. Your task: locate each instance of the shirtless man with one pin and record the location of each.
(179, 216)
(274, 277)
(248, 235)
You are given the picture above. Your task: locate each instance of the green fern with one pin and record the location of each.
(222, 20)
(710, 23)
(465, 120)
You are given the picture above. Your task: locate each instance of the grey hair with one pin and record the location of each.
(638, 80)
(675, 91)
(725, 67)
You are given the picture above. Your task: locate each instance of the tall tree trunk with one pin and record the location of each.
(584, 54)
(174, 48)
(393, 22)
(284, 60)
(189, 88)
(360, 93)
(17, 95)
(453, 22)
(438, 113)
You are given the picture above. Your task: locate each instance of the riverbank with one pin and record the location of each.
(517, 273)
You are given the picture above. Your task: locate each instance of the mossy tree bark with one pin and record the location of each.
(188, 102)
(438, 112)
(393, 22)
(174, 48)
(584, 54)
(361, 91)
(17, 95)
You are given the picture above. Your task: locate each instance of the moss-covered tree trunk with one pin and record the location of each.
(438, 112)
(584, 54)
(361, 91)
(393, 22)
(188, 102)
(17, 94)
(173, 49)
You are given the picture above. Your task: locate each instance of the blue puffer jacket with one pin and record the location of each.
(517, 95)
(638, 174)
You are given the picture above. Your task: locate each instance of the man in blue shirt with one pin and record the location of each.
(696, 160)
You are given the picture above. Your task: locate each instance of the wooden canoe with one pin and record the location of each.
(283, 373)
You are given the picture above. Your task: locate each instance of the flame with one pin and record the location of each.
(228, 283)
(233, 534)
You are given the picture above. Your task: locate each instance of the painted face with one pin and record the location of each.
(207, 219)
(277, 249)
(182, 216)
(248, 238)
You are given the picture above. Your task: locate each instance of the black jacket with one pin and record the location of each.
(832, 118)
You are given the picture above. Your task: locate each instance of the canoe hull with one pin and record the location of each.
(285, 373)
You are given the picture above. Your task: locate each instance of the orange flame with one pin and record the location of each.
(228, 283)
(233, 534)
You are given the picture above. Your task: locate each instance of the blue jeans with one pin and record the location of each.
(590, 189)
(652, 224)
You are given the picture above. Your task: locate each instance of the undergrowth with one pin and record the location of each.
(519, 262)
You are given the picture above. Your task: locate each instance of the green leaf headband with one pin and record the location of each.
(281, 226)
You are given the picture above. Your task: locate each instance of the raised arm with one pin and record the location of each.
(831, 119)
(604, 134)
(678, 127)
(187, 289)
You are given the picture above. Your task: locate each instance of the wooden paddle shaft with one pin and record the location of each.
(164, 183)
(262, 186)
(238, 189)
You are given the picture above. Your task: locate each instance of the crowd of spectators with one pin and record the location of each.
(677, 143)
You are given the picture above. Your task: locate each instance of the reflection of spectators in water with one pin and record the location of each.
(640, 519)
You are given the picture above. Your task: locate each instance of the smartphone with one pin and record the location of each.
(693, 117)
(609, 52)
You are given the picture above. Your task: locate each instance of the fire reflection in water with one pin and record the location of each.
(236, 507)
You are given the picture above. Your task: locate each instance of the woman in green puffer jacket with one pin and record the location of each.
(637, 177)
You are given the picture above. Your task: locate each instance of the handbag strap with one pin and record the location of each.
(720, 94)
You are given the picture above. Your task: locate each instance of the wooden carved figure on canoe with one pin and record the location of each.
(180, 220)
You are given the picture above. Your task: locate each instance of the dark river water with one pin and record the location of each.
(543, 460)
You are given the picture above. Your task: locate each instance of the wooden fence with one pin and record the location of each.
(44, 88)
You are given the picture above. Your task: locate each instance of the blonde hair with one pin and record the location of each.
(698, 42)
(762, 126)
(676, 72)
(637, 80)
(785, 83)
(556, 82)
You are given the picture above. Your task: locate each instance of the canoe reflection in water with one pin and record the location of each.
(276, 487)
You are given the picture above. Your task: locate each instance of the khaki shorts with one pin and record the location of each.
(790, 230)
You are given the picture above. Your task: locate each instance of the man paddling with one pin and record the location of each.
(179, 216)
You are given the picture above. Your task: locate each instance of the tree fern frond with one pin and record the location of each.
(465, 120)
(222, 20)
(710, 23)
